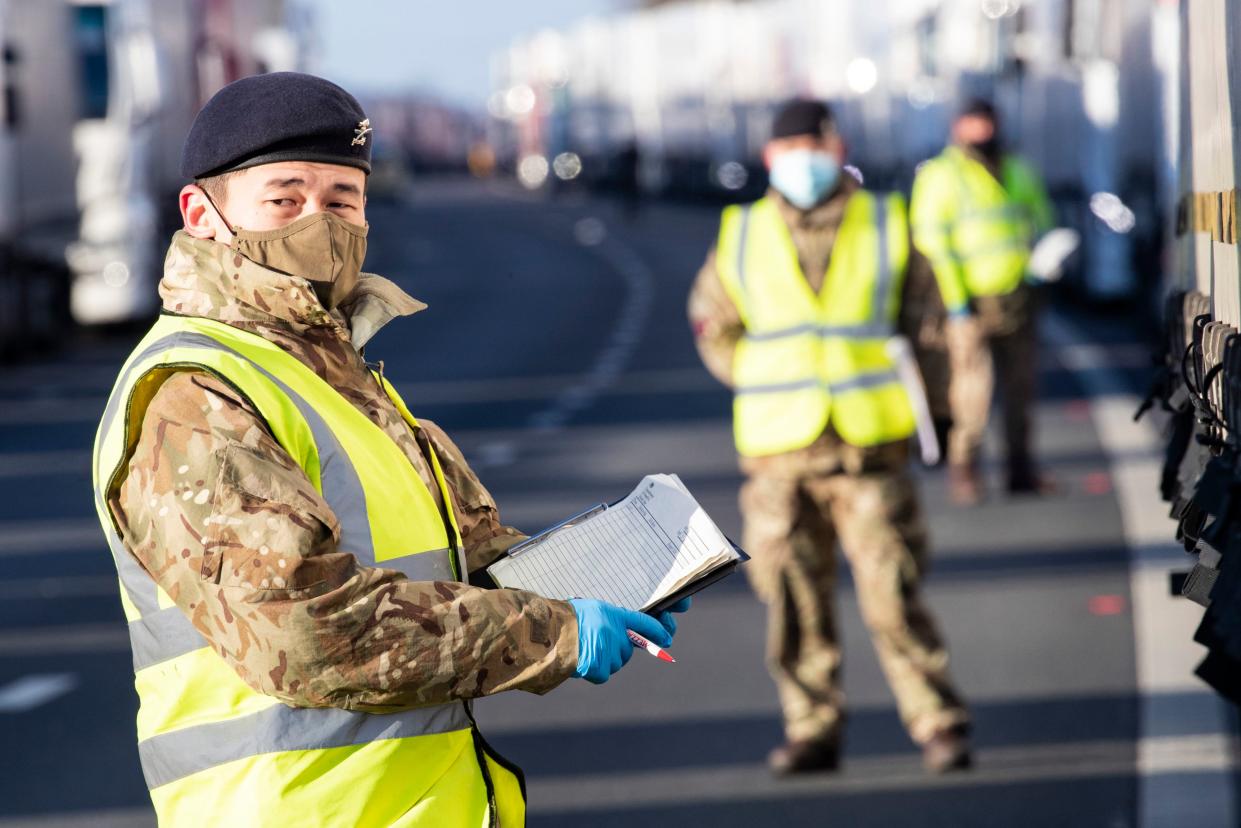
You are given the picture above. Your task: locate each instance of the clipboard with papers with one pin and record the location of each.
(644, 552)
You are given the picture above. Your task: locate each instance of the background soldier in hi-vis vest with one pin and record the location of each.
(975, 213)
(793, 310)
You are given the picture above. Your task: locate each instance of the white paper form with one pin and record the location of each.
(632, 554)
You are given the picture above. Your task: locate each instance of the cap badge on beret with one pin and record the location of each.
(359, 134)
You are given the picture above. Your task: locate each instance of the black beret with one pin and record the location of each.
(281, 116)
(802, 117)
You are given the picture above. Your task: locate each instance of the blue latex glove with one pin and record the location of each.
(603, 645)
(668, 620)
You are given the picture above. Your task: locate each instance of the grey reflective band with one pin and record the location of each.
(435, 565)
(782, 333)
(177, 754)
(864, 330)
(777, 387)
(162, 635)
(857, 383)
(864, 381)
(742, 236)
(881, 298)
(142, 590)
(868, 330)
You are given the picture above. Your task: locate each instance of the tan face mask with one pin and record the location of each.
(322, 248)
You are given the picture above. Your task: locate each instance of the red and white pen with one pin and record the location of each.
(654, 649)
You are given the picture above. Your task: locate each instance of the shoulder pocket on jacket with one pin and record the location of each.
(266, 527)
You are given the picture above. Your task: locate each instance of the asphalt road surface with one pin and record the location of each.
(556, 351)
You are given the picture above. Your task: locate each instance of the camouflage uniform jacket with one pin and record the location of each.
(368, 638)
(717, 328)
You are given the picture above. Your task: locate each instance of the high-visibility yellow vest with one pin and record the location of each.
(975, 230)
(806, 359)
(216, 752)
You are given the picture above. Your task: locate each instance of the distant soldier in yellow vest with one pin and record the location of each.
(793, 310)
(975, 213)
(293, 545)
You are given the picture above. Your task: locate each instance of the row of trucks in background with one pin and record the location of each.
(96, 97)
(1085, 89)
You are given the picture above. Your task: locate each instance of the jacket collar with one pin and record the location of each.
(205, 278)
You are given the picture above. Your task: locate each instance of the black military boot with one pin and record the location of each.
(965, 485)
(805, 756)
(1024, 478)
(947, 751)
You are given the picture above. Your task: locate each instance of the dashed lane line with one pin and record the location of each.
(29, 692)
(610, 362)
(57, 587)
(37, 537)
(41, 463)
(113, 818)
(63, 639)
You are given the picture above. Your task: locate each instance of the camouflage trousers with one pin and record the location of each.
(1005, 349)
(792, 525)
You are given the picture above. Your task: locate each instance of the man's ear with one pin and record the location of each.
(838, 147)
(197, 216)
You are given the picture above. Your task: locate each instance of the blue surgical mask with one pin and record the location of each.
(804, 176)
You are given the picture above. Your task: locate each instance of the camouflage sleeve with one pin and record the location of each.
(715, 321)
(483, 536)
(232, 529)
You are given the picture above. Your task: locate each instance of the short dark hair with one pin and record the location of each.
(216, 186)
(802, 116)
(979, 108)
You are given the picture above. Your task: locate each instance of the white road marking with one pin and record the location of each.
(38, 537)
(42, 463)
(116, 818)
(53, 411)
(34, 691)
(63, 639)
(57, 587)
(626, 332)
(493, 454)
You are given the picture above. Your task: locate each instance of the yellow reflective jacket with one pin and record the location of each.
(808, 360)
(976, 231)
(213, 750)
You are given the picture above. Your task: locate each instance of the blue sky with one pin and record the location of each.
(440, 47)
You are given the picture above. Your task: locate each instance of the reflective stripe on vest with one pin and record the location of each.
(204, 735)
(805, 359)
(989, 235)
